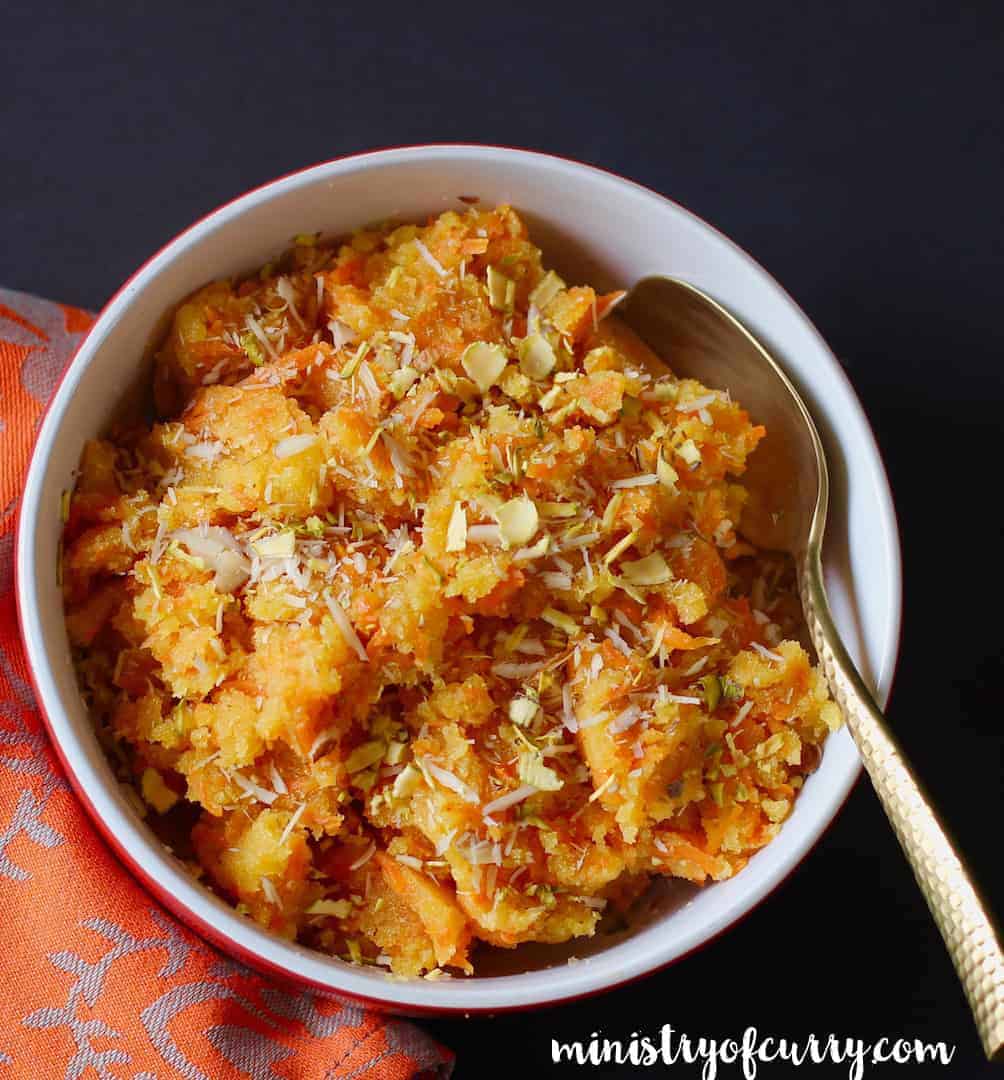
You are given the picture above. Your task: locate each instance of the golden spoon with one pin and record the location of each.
(789, 487)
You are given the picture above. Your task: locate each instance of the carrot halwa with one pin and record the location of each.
(423, 615)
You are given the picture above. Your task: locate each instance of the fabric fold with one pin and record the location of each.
(98, 977)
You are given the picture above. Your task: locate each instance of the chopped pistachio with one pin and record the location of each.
(456, 531)
(536, 357)
(731, 690)
(355, 360)
(712, 691)
(402, 380)
(484, 363)
(373, 439)
(518, 521)
(252, 349)
(532, 770)
(741, 759)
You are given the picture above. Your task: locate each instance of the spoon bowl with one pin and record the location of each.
(786, 478)
(788, 487)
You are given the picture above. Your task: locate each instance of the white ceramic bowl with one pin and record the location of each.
(593, 227)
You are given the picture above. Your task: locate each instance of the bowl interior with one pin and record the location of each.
(593, 227)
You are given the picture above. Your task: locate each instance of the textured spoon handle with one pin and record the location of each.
(960, 913)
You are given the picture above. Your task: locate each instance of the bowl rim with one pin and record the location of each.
(128, 839)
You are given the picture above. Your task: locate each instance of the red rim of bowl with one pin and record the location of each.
(206, 930)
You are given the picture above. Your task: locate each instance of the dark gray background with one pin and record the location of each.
(855, 149)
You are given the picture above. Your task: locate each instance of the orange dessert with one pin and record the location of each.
(422, 616)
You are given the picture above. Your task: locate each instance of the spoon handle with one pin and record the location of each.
(958, 910)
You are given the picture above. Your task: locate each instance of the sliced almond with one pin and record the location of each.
(668, 476)
(456, 531)
(547, 289)
(280, 545)
(620, 547)
(536, 357)
(219, 550)
(498, 289)
(522, 711)
(558, 619)
(407, 782)
(538, 550)
(484, 363)
(293, 445)
(690, 453)
(610, 513)
(518, 521)
(652, 570)
(663, 391)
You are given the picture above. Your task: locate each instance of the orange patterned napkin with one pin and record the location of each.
(97, 979)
